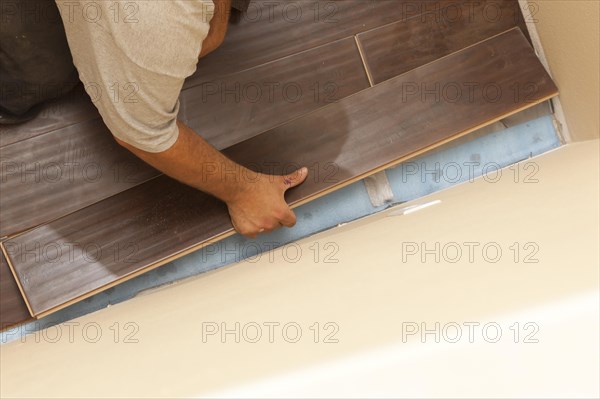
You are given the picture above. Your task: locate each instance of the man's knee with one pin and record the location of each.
(35, 60)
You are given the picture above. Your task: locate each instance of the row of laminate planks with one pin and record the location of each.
(114, 217)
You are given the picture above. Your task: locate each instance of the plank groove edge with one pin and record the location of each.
(13, 308)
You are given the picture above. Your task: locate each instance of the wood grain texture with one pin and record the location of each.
(12, 306)
(236, 107)
(52, 175)
(160, 220)
(270, 30)
(401, 46)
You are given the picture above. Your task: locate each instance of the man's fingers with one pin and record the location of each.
(288, 219)
(295, 178)
(266, 211)
(246, 230)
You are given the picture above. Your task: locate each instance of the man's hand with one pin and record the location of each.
(256, 204)
(260, 206)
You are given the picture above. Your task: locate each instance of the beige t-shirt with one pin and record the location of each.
(133, 57)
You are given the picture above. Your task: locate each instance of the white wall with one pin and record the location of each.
(570, 35)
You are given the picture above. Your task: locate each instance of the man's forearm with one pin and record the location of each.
(193, 161)
(255, 201)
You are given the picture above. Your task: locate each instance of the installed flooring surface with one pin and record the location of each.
(404, 45)
(159, 220)
(227, 110)
(78, 213)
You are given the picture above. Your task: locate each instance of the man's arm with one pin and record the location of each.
(255, 201)
(157, 54)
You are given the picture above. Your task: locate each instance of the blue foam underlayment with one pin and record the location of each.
(416, 178)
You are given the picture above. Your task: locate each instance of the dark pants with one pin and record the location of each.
(35, 61)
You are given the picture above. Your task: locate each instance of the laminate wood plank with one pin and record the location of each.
(270, 30)
(231, 109)
(399, 47)
(57, 173)
(13, 309)
(524, 116)
(160, 220)
(70, 109)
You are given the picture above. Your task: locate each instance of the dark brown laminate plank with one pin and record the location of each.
(57, 173)
(13, 309)
(160, 220)
(399, 47)
(231, 109)
(270, 30)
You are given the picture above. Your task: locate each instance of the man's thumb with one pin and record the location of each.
(295, 178)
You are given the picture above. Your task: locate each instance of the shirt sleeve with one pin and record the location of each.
(139, 107)
(133, 66)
